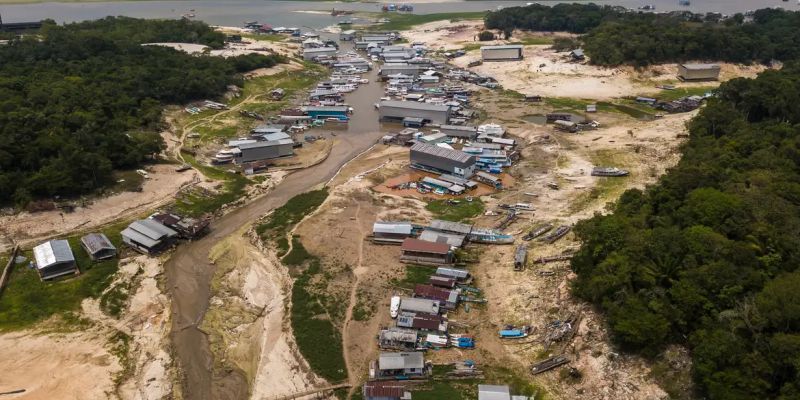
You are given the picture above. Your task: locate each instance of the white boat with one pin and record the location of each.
(394, 306)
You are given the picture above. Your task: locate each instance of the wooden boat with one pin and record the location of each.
(609, 171)
(557, 234)
(549, 364)
(537, 231)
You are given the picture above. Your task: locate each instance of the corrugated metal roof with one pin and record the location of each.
(494, 392)
(261, 144)
(400, 228)
(502, 47)
(384, 389)
(151, 229)
(138, 237)
(421, 246)
(52, 252)
(419, 305)
(403, 360)
(452, 272)
(465, 128)
(441, 237)
(413, 105)
(438, 151)
(449, 226)
(320, 50)
(96, 242)
(330, 108)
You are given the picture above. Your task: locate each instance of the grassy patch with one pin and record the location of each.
(282, 244)
(567, 103)
(414, 274)
(197, 203)
(399, 22)
(298, 256)
(628, 107)
(472, 46)
(120, 346)
(457, 212)
(27, 300)
(534, 40)
(455, 390)
(317, 338)
(284, 217)
(364, 308)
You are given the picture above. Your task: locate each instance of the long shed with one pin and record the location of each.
(395, 110)
(439, 159)
(98, 246)
(698, 72)
(53, 259)
(510, 52)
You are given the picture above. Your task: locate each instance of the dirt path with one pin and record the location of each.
(348, 316)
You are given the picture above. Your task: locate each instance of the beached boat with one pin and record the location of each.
(557, 234)
(537, 231)
(609, 171)
(490, 236)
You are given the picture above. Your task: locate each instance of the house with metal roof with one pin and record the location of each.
(422, 321)
(313, 53)
(148, 236)
(403, 364)
(262, 150)
(385, 390)
(411, 304)
(447, 298)
(98, 246)
(391, 232)
(426, 253)
(442, 281)
(397, 338)
(497, 392)
(460, 131)
(53, 259)
(442, 160)
(396, 110)
(511, 52)
(455, 273)
(347, 36)
(577, 54)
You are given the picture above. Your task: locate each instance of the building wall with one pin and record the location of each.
(264, 153)
(456, 168)
(398, 113)
(501, 54)
(698, 74)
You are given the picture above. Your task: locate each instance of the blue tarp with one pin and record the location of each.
(510, 333)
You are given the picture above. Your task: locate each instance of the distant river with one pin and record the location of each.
(284, 13)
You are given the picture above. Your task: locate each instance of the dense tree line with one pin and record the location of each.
(81, 100)
(709, 256)
(614, 36)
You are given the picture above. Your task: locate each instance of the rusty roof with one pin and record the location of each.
(422, 246)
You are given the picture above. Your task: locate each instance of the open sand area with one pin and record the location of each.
(26, 228)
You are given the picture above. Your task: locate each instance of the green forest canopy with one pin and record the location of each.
(709, 256)
(81, 100)
(613, 35)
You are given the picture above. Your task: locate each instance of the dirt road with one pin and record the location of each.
(189, 272)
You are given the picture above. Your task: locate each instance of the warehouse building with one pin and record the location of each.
(459, 131)
(392, 69)
(148, 236)
(501, 53)
(312, 54)
(442, 160)
(98, 246)
(395, 110)
(405, 364)
(414, 305)
(698, 72)
(391, 232)
(426, 253)
(53, 259)
(263, 150)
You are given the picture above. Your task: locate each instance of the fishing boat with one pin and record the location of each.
(537, 231)
(515, 333)
(490, 236)
(557, 234)
(609, 171)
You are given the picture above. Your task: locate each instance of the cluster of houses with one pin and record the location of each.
(54, 258)
(435, 243)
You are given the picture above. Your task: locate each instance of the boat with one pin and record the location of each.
(394, 306)
(609, 171)
(560, 232)
(514, 333)
(490, 236)
(537, 231)
(549, 364)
